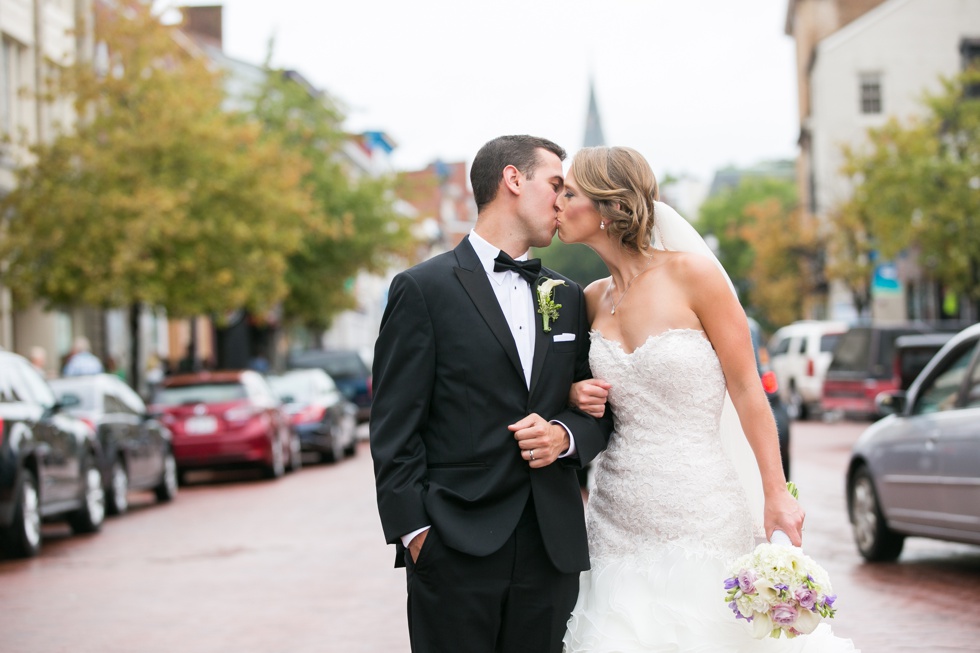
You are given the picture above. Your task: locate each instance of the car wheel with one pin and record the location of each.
(22, 539)
(277, 467)
(875, 541)
(167, 489)
(89, 518)
(117, 499)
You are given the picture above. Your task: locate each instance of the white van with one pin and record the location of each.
(799, 355)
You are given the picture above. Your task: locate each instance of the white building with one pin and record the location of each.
(861, 62)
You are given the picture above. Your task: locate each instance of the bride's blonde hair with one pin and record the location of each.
(623, 188)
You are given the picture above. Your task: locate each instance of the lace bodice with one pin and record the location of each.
(663, 483)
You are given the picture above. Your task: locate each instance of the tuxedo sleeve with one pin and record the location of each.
(403, 377)
(591, 434)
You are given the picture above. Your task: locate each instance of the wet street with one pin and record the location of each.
(240, 564)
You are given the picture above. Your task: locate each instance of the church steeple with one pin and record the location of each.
(593, 126)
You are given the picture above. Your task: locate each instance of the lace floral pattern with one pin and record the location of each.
(663, 482)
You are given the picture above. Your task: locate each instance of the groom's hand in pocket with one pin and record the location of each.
(415, 546)
(540, 441)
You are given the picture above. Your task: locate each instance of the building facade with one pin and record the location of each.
(861, 62)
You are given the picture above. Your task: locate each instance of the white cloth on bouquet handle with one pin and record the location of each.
(780, 538)
(671, 232)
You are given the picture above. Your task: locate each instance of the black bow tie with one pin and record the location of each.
(529, 270)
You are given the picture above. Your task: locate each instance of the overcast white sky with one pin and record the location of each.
(692, 84)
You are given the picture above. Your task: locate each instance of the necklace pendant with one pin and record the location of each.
(613, 311)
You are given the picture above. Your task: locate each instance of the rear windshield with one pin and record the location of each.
(852, 351)
(299, 387)
(828, 341)
(206, 393)
(85, 393)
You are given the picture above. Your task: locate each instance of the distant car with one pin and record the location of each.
(323, 417)
(136, 448)
(346, 368)
(917, 471)
(226, 419)
(770, 384)
(48, 461)
(913, 353)
(862, 367)
(800, 354)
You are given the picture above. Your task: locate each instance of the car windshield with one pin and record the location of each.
(297, 386)
(205, 393)
(338, 364)
(85, 393)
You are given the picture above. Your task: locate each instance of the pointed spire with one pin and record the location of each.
(593, 126)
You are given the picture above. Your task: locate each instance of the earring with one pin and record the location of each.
(602, 225)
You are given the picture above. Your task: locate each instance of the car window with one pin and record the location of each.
(852, 351)
(973, 391)
(828, 341)
(114, 405)
(8, 392)
(204, 393)
(87, 393)
(131, 401)
(297, 386)
(941, 391)
(779, 346)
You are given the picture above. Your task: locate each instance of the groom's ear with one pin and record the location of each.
(512, 179)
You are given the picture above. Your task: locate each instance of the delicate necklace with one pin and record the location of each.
(628, 285)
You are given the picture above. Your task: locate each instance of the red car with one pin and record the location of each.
(226, 419)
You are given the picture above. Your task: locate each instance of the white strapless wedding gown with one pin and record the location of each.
(667, 513)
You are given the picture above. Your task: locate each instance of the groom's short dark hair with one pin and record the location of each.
(518, 151)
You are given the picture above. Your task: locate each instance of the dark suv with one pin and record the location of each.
(47, 461)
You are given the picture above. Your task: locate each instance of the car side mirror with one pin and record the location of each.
(287, 399)
(890, 403)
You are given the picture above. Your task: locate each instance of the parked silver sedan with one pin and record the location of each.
(917, 471)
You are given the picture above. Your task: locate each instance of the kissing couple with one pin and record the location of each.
(495, 380)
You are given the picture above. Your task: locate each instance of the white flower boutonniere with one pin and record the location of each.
(546, 303)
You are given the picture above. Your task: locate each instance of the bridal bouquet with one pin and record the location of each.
(779, 590)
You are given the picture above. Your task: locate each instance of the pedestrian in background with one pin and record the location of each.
(82, 361)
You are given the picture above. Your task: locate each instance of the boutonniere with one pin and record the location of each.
(546, 303)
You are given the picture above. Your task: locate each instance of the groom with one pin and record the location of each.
(475, 447)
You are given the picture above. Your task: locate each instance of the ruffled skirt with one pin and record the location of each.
(674, 603)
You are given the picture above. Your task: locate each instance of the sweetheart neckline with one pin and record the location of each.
(653, 336)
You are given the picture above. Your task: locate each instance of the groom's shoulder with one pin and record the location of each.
(431, 267)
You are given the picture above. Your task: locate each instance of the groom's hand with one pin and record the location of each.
(590, 396)
(540, 441)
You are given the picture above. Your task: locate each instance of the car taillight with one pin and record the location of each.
(769, 382)
(809, 367)
(309, 414)
(89, 422)
(1, 431)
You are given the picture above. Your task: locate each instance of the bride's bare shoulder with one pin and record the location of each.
(690, 267)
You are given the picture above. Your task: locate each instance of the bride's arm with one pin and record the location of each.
(727, 328)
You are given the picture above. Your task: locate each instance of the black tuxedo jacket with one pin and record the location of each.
(447, 381)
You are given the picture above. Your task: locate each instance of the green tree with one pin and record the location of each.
(356, 226)
(917, 184)
(156, 195)
(731, 215)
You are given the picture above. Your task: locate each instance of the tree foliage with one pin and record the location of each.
(156, 195)
(356, 226)
(762, 245)
(917, 184)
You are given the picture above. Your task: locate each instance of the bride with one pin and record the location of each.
(673, 501)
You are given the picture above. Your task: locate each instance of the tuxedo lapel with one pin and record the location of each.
(474, 280)
(541, 339)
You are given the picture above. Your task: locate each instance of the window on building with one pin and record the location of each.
(970, 58)
(870, 93)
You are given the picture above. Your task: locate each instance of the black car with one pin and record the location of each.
(318, 412)
(771, 386)
(48, 461)
(346, 368)
(136, 447)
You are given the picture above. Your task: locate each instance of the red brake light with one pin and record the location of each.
(309, 414)
(809, 367)
(89, 422)
(1, 431)
(769, 383)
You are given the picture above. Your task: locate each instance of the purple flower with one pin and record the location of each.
(781, 586)
(806, 597)
(731, 583)
(783, 614)
(746, 581)
(829, 600)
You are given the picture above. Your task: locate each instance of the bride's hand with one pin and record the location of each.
(590, 396)
(783, 513)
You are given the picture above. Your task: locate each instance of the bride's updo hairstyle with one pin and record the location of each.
(622, 186)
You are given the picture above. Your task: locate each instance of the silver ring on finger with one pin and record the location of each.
(531, 454)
